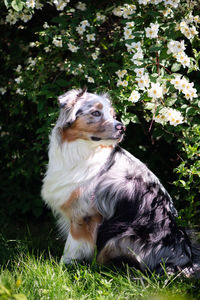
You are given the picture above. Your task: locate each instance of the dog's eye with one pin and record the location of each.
(96, 113)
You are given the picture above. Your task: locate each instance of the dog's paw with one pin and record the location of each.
(66, 260)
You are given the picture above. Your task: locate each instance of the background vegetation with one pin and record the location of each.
(144, 53)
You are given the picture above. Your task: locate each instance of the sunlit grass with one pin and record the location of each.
(39, 277)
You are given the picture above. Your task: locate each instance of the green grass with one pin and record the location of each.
(30, 269)
(39, 277)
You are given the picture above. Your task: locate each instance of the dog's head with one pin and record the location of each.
(88, 116)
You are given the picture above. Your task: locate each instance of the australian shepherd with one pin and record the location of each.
(105, 198)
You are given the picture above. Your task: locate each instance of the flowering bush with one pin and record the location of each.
(143, 52)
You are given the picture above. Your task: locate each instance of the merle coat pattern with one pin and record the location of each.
(105, 198)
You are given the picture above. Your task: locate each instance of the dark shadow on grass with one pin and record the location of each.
(29, 235)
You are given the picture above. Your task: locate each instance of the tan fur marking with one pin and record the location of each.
(66, 207)
(104, 256)
(112, 111)
(105, 146)
(98, 105)
(80, 129)
(86, 228)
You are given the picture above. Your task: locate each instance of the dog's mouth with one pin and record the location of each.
(114, 137)
(95, 138)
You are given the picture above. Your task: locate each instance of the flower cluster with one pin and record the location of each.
(170, 115)
(188, 25)
(152, 31)
(125, 11)
(61, 4)
(173, 3)
(184, 86)
(144, 69)
(177, 49)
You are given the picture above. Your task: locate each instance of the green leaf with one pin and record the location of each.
(19, 296)
(6, 3)
(17, 5)
(4, 291)
(191, 111)
(176, 67)
(149, 105)
(155, 48)
(61, 82)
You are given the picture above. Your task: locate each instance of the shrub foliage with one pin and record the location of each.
(144, 53)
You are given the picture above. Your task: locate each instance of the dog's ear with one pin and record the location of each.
(69, 99)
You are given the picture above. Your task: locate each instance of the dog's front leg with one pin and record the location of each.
(81, 241)
(77, 249)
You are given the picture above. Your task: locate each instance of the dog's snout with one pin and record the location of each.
(120, 126)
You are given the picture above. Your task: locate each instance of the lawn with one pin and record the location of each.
(28, 272)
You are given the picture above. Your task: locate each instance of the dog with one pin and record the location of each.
(107, 200)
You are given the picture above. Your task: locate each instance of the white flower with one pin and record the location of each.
(18, 69)
(100, 17)
(190, 93)
(60, 4)
(30, 3)
(173, 3)
(184, 86)
(130, 24)
(90, 37)
(38, 5)
(196, 19)
(80, 29)
(12, 17)
(134, 97)
(121, 73)
(90, 79)
(175, 47)
(32, 44)
(160, 118)
(138, 55)
(118, 11)
(31, 62)
(3, 90)
(94, 56)
(80, 68)
(152, 31)
(47, 49)
(183, 59)
(136, 46)
(45, 25)
(25, 17)
(128, 34)
(177, 82)
(174, 117)
(81, 6)
(128, 10)
(57, 41)
(19, 91)
(193, 31)
(139, 72)
(123, 83)
(84, 23)
(72, 47)
(143, 82)
(156, 91)
(144, 2)
(168, 12)
(170, 115)
(19, 79)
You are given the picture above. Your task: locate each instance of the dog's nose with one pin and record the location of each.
(120, 126)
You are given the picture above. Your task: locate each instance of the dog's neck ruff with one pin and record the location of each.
(71, 165)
